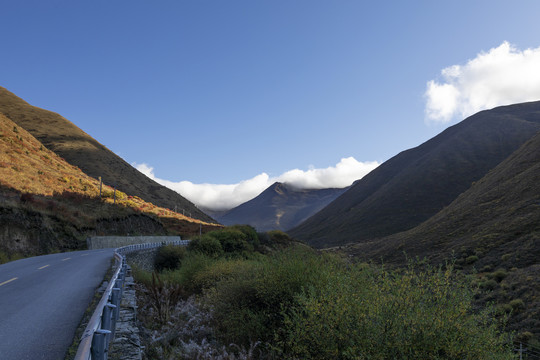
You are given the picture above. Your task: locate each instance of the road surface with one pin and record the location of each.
(43, 299)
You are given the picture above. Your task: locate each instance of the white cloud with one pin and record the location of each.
(227, 196)
(504, 75)
(343, 174)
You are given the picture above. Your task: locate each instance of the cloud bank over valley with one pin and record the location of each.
(227, 196)
(504, 75)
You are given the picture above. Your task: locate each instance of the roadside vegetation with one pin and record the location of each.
(238, 294)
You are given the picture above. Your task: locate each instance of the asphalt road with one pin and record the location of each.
(43, 299)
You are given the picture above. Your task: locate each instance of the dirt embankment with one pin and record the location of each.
(26, 232)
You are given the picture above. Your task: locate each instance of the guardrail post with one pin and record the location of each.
(99, 350)
(106, 320)
(120, 285)
(124, 272)
(115, 300)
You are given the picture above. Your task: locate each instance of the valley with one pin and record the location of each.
(466, 201)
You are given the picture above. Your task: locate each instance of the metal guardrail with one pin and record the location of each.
(99, 332)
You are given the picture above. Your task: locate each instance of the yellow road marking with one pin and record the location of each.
(43, 267)
(10, 280)
(66, 259)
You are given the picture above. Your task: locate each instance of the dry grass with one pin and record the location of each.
(34, 176)
(78, 148)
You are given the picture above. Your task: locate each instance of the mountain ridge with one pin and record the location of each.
(417, 183)
(279, 207)
(80, 149)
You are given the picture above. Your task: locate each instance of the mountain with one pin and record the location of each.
(497, 215)
(417, 183)
(78, 148)
(279, 207)
(47, 204)
(491, 231)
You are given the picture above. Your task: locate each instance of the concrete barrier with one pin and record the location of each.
(106, 242)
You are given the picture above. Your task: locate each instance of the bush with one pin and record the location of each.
(247, 306)
(250, 233)
(232, 240)
(192, 264)
(517, 304)
(220, 270)
(206, 245)
(488, 284)
(169, 257)
(498, 275)
(384, 315)
(471, 259)
(278, 237)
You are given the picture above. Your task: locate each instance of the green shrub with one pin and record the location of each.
(471, 259)
(169, 257)
(250, 233)
(517, 304)
(247, 306)
(192, 264)
(486, 268)
(206, 245)
(384, 315)
(219, 270)
(498, 275)
(278, 237)
(232, 240)
(488, 284)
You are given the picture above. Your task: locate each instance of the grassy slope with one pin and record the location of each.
(78, 148)
(493, 225)
(416, 184)
(36, 183)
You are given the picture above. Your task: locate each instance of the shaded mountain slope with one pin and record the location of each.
(47, 204)
(79, 149)
(499, 214)
(417, 183)
(280, 207)
(491, 231)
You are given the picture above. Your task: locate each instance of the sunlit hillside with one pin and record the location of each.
(78, 148)
(35, 179)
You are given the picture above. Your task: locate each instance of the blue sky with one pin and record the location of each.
(221, 92)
